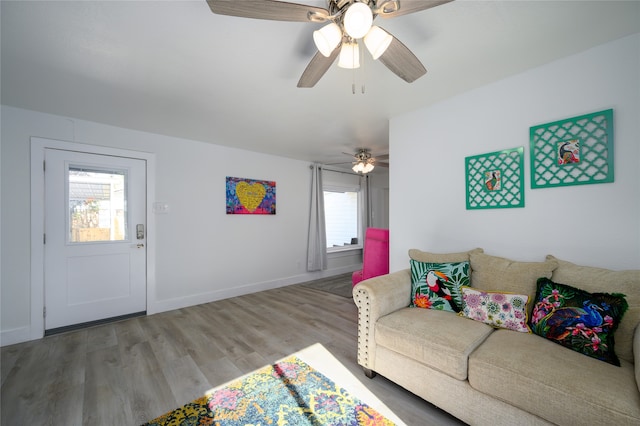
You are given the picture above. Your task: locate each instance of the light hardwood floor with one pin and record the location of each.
(129, 372)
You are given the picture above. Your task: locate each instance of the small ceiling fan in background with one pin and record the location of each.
(348, 21)
(364, 162)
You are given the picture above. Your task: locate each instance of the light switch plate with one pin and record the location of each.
(160, 207)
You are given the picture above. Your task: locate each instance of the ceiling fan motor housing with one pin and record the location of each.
(363, 155)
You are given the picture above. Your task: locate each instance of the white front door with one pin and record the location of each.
(95, 233)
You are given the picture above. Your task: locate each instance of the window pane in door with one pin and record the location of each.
(97, 205)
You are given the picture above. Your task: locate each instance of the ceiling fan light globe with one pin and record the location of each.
(377, 41)
(327, 38)
(367, 168)
(358, 20)
(358, 167)
(349, 56)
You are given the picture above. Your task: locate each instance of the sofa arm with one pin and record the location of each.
(636, 354)
(375, 298)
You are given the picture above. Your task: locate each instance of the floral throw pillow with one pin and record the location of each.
(577, 319)
(437, 285)
(504, 310)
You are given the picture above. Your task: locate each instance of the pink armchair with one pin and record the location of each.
(375, 256)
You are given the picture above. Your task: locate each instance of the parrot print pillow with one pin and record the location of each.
(578, 320)
(437, 285)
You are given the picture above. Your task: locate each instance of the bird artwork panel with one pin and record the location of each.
(438, 285)
(573, 151)
(582, 321)
(493, 180)
(569, 152)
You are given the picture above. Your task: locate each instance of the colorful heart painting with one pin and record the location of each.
(250, 196)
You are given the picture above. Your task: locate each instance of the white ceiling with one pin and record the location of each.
(175, 68)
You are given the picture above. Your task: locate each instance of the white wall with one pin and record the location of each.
(379, 193)
(597, 225)
(202, 254)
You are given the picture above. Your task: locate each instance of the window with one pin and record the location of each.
(97, 208)
(341, 218)
(342, 211)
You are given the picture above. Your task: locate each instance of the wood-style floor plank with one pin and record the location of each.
(129, 372)
(147, 382)
(107, 393)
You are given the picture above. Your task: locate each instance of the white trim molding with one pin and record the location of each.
(38, 146)
(212, 296)
(16, 335)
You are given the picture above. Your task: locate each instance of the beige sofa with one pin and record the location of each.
(489, 376)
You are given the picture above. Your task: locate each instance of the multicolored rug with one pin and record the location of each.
(289, 392)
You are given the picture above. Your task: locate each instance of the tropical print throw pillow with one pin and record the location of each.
(577, 319)
(437, 285)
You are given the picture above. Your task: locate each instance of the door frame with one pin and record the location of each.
(38, 147)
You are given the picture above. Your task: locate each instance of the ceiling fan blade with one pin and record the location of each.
(385, 165)
(402, 62)
(382, 157)
(398, 8)
(317, 68)
(269, 9)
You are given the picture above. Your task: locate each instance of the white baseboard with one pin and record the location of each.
(154, 307)
(25, 334)
(15, 335)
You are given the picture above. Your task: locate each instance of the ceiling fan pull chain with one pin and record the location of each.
(353, 70)
(364, 72)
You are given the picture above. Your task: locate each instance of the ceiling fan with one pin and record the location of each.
(364, 162)
(347, 22)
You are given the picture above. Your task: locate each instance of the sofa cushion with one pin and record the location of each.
(593, 279)
(437, 285)
(438, 339)
(502, 310)
(492, 273)
(558, 384)
(582, 321)
(424, 256)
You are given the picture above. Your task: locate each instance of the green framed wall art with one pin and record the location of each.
(574, 151)
(495, 180)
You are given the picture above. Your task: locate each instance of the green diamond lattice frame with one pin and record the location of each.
(574, 151)
(495, 180)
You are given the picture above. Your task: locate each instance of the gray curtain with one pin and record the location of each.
(317, 249)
